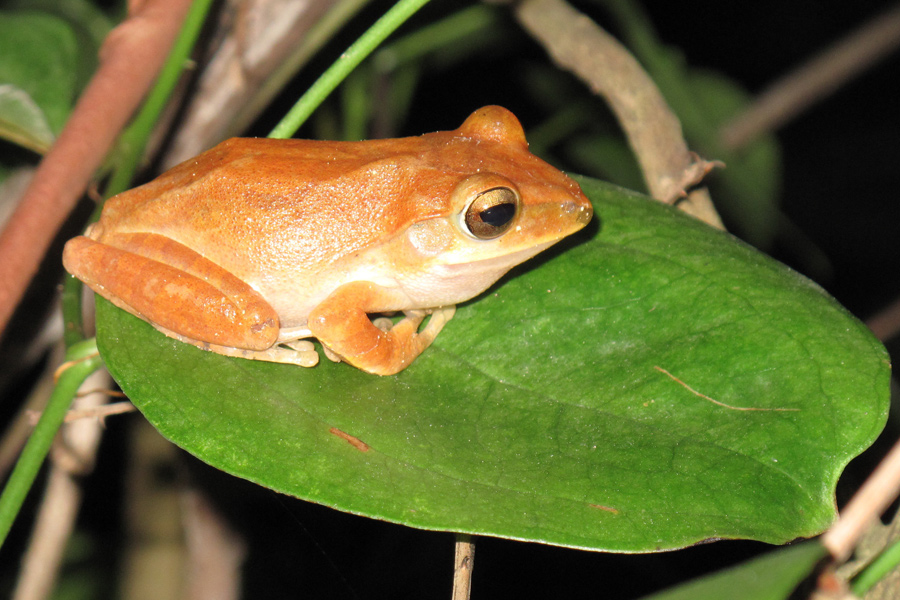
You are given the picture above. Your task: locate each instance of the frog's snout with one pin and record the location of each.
(582, 211)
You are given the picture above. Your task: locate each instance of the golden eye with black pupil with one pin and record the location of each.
(492, 212)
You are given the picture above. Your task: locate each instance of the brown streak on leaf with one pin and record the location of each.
(714, 401)
(353, 441)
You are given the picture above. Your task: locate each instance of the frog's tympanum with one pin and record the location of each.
(257, 244)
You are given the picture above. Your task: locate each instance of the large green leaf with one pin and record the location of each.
(542, 413)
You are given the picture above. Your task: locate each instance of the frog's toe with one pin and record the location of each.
(439, 318)
(331, 354)
(301, 345)
(302, 353)
(383, 323)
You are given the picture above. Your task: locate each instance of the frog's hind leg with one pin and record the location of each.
(176, 289)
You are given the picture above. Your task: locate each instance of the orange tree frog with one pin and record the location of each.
(257, 244)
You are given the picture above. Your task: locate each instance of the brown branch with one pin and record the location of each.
(130, 58)
(790, 95)
(579, 45)
(463, 564)
(876, 494)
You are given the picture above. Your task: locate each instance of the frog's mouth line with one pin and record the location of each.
(501, 261)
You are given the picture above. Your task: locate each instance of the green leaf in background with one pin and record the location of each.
(771, 577)
(548, 409)
(89, 22)
(46, 60)
(22, 121)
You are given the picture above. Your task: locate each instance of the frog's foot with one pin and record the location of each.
(427, 334)
(439, 318)
(331, 355)
(306, 345)
(341, 322)
(277, 354)
(298, 352)
(301, 345)
(382, 323)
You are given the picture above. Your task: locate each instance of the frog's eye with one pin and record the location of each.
(491, 212)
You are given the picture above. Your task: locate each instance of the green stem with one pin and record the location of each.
(875, 572)
(87, 360)
(72, 311)
(342, 67)
(450, 31)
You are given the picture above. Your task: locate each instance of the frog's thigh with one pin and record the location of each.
(341, 323)
(186, 294)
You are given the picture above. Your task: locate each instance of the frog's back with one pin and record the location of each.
(259, 204)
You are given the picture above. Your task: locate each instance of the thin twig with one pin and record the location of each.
(793, 93)
(579, 45)
(91, 412)
(865, 507)
(104, 107)
(463, 564)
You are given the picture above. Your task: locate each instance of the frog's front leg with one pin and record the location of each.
(341, 323)
(183, 294)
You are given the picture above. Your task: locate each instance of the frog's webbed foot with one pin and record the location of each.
(439, 318)
(297, 352)
(342, 323)
(414, 318)
(301, 353)
(385, 324)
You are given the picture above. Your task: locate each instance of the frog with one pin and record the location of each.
(257, 246)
